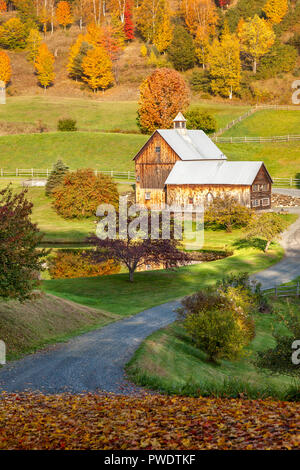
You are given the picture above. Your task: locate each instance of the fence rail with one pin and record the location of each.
(284, 291)
(44, 173)
(286, 182)
(256, 139)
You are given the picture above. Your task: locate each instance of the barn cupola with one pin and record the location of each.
(179, 123)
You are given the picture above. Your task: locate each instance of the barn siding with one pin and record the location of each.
(262, 177)
(181, 195)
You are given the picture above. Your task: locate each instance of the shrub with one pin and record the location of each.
(81, 193)
(76, 263)
(198, 119)
(281, 58)
(228, 213)
(200, 81)
(56, 177)
(67, 125)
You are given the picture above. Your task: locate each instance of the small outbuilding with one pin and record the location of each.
(184, 167)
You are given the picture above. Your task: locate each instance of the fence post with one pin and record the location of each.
(291, 182)
(275, 288)
(16, 171)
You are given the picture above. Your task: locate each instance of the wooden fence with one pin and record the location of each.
(256, 139)
(286, 182)
(44, 173)
(284, 291)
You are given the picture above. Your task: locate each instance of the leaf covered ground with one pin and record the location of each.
(106, 422)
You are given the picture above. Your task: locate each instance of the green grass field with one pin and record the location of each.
(169, 361)
(115, 152)
(94, 115)
(267, 123)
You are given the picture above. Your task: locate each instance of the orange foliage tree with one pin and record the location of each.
(81, 193)
(97, 69)
(162, 95)
(63, 14)
(5, 67)
(44, 66)
(3, 6)
(200, 13)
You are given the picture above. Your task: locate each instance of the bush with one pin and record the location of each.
(76, 263)
(56, 177)
(67, 125)
(198, 119)
(13, 34)
(82, 192)
(219, 322)
(226, 212)
(281, 58)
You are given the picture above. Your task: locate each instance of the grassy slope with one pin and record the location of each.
(30, 326)
(168, 360)
(267, 123)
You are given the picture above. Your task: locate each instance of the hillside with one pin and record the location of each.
(32, 325)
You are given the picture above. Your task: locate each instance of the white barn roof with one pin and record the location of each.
(191, 144)
(214, 172)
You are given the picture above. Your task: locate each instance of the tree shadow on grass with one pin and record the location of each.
(257, 243)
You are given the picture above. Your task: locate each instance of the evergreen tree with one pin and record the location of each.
(181, 51)
(56, 177)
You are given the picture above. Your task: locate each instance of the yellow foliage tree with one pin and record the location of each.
(200, 13)
(202, 46)
(44, 66)
(74, 51)
(5, 67)
(225, 65)
(97, 69)
(33, 44)
(256, 37)
(276, 10)
(94, 35)
(150, 16)
(164, 34)
(63, 14)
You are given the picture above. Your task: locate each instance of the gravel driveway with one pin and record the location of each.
(90, 362)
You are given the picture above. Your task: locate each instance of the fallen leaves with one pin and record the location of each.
(66, 421)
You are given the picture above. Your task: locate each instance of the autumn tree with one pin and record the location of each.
(164, 33)
(225, 65)
(268, 226)
(82, 11)
(26, 13)
(256, 37)
(162, 95)
(5, 67)
(202, 46)
(118, 8)
(135, 248)
(63, 14)
(181, 51)
(20, 258)
(13, 34)
(150, 15)
(275, 10)
(97, 69)
(200, 13)
(34, 41)
(128, 23)
(44, 66)
(3, 6)
(82, 192)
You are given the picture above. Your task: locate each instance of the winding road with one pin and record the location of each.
(95, 361)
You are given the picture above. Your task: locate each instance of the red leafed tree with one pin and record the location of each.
(223, 3)
(135, 252)
(128, 23)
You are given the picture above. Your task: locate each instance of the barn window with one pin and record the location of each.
(209, 198)
(255, 187)
(260, 187)
(191, 200)
(148, 195)
(137, 179)
(266, 201)
(255, 202)
(157, 149)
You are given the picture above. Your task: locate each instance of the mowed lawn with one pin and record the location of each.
(267, 123)
(95, 115)
(117, 295)
(77, 149)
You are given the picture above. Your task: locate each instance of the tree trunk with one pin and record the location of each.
(267, 245)
(254, 66)
(131, 273)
